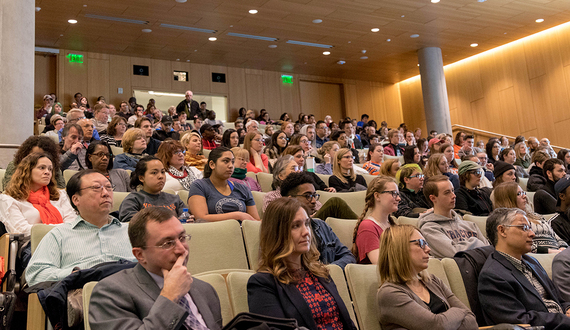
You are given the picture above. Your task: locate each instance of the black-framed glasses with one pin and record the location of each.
(394, 193)
(524, 227)
(171, 243)
(476, 172)
(310, 196)
(421, 242)
(99, 188)
(102, 154)
(521, 193)
(419, 176)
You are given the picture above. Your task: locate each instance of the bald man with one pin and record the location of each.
(189, 106)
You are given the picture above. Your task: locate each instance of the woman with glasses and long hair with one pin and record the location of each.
(545, 240)
(469, 197)
(150, 176)
(115, 131)
(258, 161)
(409, 297)
(382, 198)
(344, 179)
(178, 175)
(215, 197)
(290, 281)
(32, 197)
(100, 158)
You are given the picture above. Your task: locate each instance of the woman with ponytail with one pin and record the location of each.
(382, 198)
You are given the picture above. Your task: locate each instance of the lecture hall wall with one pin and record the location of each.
(520, 88)
(103, 74)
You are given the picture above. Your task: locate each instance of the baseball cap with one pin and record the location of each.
(434, 141)
(167, 119)
(204, 128)
(560, 186)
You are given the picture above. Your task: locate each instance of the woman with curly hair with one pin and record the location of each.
(32, 197)
(115, 130)
(37, 144)
(290, 278)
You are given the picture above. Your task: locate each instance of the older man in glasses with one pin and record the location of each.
(93, 238)
(159, 292)
(513, 287)
(446, 232)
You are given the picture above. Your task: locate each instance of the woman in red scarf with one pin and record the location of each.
(32, 197)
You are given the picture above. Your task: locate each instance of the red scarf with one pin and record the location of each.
(48, 213)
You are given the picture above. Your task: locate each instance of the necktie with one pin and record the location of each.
(191, 321)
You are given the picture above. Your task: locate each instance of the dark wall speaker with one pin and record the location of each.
(140, 70)
(219, 77)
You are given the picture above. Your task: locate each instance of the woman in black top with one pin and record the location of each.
(469, 197)
(344, 179)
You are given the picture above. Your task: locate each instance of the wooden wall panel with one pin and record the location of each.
(120, 71)
(310, 97)
(161, 73)
(254, 90)
(272, 91)
(237, 97)
(181, 86)
(97, 77)
(216, 87)
(330, 97)
(45, 74)
(200, 78)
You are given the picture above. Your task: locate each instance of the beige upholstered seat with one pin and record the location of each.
(363, 285)
(258, 198)
(219, 284)
(455, 280)
(337, 275)
(523, 182)
(206, 153)
(250, 230)
(215, 246)
(38, 232)
(67, 174)
(265, 180)
(343, 228)
(354, 199)
(324, 177)
(369, 178)
(183, 194)
(118, 198)
(435, 267)
(237, 287)
(545, 260)
(116, 150)
(480, 221)
(408, 221)
(2, 174)
(87, 291)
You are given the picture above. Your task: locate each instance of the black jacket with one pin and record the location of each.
(561, 225)
(411, 200)
(152, 146)
(340, 186)
(192, 112)
(476, 201)
(536, 179)
(545, 199)
(162, 135)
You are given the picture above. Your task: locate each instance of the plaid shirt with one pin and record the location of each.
(551, 305)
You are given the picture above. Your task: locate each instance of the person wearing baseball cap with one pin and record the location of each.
(208, 137)
(469, 197)
(434, 145)
(560, 222)
(166, 131)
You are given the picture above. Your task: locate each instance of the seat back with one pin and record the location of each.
(251, 175)
(265, 180)
(530, 196)
(38, 232)
(258, 198)
(324, 177)
(408, 221)
(545, 260)
(435, 267)
(455, 280)
(369, 178)
(354, 199)
(118, 198)
(237, 287)
(2, 174)
(343, 228)
(480, 221)
(337, 275)
(250, 230)
(215, 246)
(184, 194)
(363, 285)
(219, 283)
(523, 182)
(206, 153)
(87, 291)
(400, 158)
(67, 174)
(116, 150)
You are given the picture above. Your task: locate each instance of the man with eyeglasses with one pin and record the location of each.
(159, 292)
(481, 161)
(321, 130)
(446, 232)
(93, 238)
(411, 182)
(513, 287)
(471, 198)
(300, 185)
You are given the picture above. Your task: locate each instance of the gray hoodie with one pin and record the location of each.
(447, 236)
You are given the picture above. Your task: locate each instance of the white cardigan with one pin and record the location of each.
(19, 216)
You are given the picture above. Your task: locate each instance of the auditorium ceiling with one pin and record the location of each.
(181, 31)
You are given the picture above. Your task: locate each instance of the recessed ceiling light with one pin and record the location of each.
(403, 16)
(212, 38)
(71, 21)
(195, 50)
(326, 53)
(388, 40)
(481, 0)
(61, 35)
(375, 30)
(317, 21)
(84, 5)
(364, 57)
(180, 1)
(474, 44)
(187, 60)
(38, 9)
(363, 51)
(272, 46)
(418, 64)
(540, 20)
(414, 35)
(341, 62)
(146, 30)
(349, 42)
(253, 11)
(434, 1)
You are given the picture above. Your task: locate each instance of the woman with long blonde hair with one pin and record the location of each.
(409, 297)
(511, 195)
(437, 165)
(344, 179)
(382, 198)
(290, 278)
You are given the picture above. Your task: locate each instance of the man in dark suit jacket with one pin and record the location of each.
(513, 287)
(159, 292)
(189, 106)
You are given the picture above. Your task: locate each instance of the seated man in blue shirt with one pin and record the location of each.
(93, 238)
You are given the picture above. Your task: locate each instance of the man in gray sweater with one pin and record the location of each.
(446, 232)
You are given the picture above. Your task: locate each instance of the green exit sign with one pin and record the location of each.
(75, 58)
(287, 79)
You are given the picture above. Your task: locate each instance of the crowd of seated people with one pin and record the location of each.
(434, 178)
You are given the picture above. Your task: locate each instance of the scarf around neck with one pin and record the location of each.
(239, 173)
(49, 214)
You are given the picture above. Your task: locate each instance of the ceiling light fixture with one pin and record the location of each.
(474, 44)
(212, 38)
(317, 21)
(187, 28)
(38, 9)
(434, 1)
(388, 40)
(364, 57)
(180, 1)
(481, 0)
(415, 35)
(187, 60)
(341, 62)
(540, 20)
(146, 30)
(249, 36)
(178, 59)
(326, 53)
(375, 30)
(303, 43)
(253, 11)
(71, 21)
(117, 19)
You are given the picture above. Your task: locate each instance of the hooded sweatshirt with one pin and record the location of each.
(447, 236)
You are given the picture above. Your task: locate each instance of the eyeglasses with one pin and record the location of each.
(180, 152)
(99, 188)
(521, 193)
(524, 227)
(310, 196)
(121, 124)
(283, 138)
(256, 140)
(419, 176)
(348, 157)
(476, 172)
(170, 244)
(394, 193)
(421, 242)
(102, 154)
